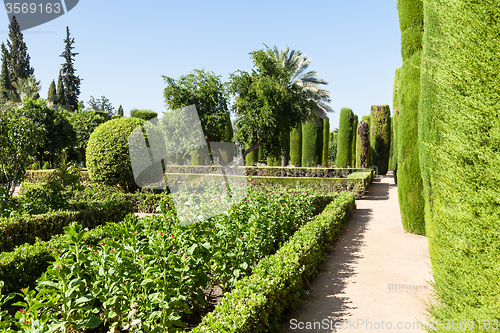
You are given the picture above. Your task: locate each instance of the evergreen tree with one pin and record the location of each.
(120, 111)
(4, 75)
(18, 58)
(71, 81)
(52, 95)
(61, 95)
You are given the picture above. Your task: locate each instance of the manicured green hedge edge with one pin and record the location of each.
(23, 266)
(259, 301)
(26, 229)
(38, 176)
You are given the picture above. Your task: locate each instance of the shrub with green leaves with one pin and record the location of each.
(332, 147)
(326, 142)
(143, 114)
(410, 187)
(108, 158)
(354, 139)
(296, 146)
(394, 126)
(363, 145)
(344, 145)
(380, 137)
(459, 133)
(312, 141)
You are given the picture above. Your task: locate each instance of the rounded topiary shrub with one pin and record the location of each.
(108, 159)
(143, 114)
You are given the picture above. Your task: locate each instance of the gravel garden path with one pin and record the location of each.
(376, 277)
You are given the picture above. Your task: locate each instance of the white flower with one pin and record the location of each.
(135, 322)
(133, 306)
(126, 327)
(133, 312)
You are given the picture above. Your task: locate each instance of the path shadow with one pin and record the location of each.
(326, 298)
(378, 190)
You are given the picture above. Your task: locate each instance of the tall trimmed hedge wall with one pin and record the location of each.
(362, 145)
(459, 131)
(296, 146)
(394, 125)
(380, 137)
(326, 141)
(344, 138)
(410, 187)
(312, 141)
(354, 138)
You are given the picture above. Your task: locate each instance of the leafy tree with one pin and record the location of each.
(267, 105)
(71, 81)
(61, 95)
(18, 57)
(101, 104)
(84, 123)
(52, 94)
(60, 133)
(19, 138)
(205, 90)
(120, 111)
(5, 85)
(298, 63)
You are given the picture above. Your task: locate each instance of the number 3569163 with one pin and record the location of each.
(32, 8)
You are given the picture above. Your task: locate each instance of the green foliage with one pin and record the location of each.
(354, 138)
(143, 114)
(380, 137)
(252, 157)
(52, 94)
(207, 92)
(102, 105)
(267, 103)
(459, 133)
(363, 145)
(326, 142)
(394, 125)
(332, 148)
(257, 303)
(312, 134)
(108, 159)
(344, 145)
(46, 165)
(409, 178)
(17, 55)
(71, 81)
(61, 95)
(120, 111)
(84, 123)
(20, 137)
(5, 84)
(296, 146)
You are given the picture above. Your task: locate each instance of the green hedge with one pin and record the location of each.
(23, 266)
(354, 139)
(394, 125)
(344, 139)
(259, 301)
(312, 136)
(326, 142)
(459, 132)
(363, 145)
(26, 229)
(296, 146)
(252, 157)
(380, 137)
(143, 114)
(39, 176)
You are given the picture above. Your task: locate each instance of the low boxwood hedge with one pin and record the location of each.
(258, 302)
(23, 229)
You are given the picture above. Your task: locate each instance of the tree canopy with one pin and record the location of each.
(71, 81)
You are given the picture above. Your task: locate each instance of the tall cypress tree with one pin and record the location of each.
(18, 57)
(52, 94)
(120, 111)
(61, 95)
(71, 81)
(4, 75)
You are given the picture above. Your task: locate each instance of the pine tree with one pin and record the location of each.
(61, 95)
(4, 75)
(52, 94)
(18, 58)
(120, 111)
(71, 81)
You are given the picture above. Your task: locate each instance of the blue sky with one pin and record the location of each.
(125, 47)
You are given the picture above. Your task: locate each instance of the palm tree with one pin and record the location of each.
(297, 63)
(28, 87)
